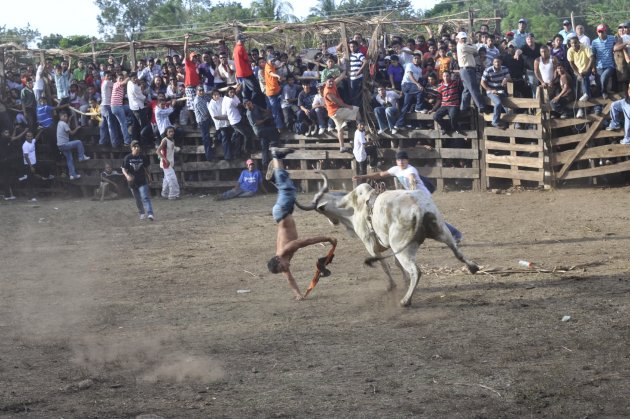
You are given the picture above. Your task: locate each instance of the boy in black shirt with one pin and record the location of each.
(135, 168)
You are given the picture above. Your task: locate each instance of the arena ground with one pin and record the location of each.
(103, 315)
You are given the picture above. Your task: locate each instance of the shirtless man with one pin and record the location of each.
(287, 242)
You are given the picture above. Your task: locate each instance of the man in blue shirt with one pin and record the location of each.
(566, 30)
(602, 47)
(248, 183)
(520, 34)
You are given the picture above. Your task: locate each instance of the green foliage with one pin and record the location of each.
(273, 10)
(49, 42)
(121, 19)
(20, 36)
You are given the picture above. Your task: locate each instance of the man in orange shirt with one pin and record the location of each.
(338, 110)
(273, 91)
(245, 75)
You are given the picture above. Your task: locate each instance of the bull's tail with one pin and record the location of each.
(428, 227)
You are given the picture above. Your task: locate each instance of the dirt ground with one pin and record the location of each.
(103, 315)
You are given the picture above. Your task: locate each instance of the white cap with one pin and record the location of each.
(462, 35)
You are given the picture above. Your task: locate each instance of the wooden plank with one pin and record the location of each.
(518, 133)
(598, 171)
(198, 184)
(586, 138)
(311, 175)
(517, 103)
(498, 145)
(534, 176)
(212, 165)
(416, 116)
(459, 173)
(569, 122)
(535, 162)
(515, 117)
(338, 155)
(459, 153)
(570, 139)
(424, 134)
(414, 153)
(302, 155)
(600, 152)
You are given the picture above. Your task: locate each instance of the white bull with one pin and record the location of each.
(399, 220)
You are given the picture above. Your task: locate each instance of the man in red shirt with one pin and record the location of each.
(245, 75)
(191, 79)
(338, 110)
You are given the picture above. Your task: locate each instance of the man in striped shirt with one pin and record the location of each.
(357, 64)
(602, 48)
(494, 80)
(448, 103)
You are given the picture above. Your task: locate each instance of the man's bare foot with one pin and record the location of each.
(299, 297)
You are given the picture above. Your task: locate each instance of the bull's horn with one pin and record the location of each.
(317, 197)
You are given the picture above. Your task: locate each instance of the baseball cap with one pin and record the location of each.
(462, 35)
(248, 162)
(571, 35)
(566, 22)
(509, 33)
(601, 28)
(522, 20)
(134, 143)
(402, 155)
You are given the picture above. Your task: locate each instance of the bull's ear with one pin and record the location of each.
(348, 201)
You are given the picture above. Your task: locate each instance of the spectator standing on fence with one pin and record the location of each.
(204, 120)
(412, 90)
(273, 91)
(448, 104)
(395, 73)
(29, 103)
(66, 145)
(221, 124)
(231, 108)
(135, 168)
(206, 71)
(529, 53)
(245, 75)
(62, 84)
(191, 79)
(386, 109)
(338, 110)
(107, 86)
(166, 152)
(261, 122)
(466, 60)
(42, 73)
(249, 181)
(226, 69)
(494, 81)
(118, 110)
(357, 65)
(566, 30)
(581, 59)
(142, 127)
(603, 61)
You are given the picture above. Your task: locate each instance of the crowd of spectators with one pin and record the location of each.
(250, 96)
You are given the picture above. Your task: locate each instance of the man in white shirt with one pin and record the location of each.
(109, 120)
(141, 126)
(387, 110)
(412, 90)
(467, 73)
(230, 108)
(221, 124)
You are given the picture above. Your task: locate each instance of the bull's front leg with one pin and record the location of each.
(390, 281)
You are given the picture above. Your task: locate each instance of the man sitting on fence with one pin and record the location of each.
(338, 110)
(386, 109)
(494, 81)
(448, 104)
(621, 107)
(66, 145)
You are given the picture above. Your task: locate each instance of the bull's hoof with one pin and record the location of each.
(473, 268)
(404, 303)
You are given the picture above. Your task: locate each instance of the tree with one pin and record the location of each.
(49, 42)
(324, 8)
(273, 10)
(22, 36)
(121, 19)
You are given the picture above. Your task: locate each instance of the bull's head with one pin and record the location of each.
(327, 203)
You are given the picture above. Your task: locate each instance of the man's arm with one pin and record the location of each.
(295, 245)
(377, 175)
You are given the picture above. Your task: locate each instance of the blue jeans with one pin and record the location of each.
(108, 127)
(471, 88)
(412, 96)
(532, 81)
(602, 77)
(275, 103)
(621, 109)
(268, 138)
(286, 195)
(457, 235)
(142, 194)
(251, 90)
(237, 193)
(223, 136)
(204, 129)
(583, 87)
(67, 148)
(386, 117)
(498, 107)
(356, 92)
(453, 114)
(119, 113)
